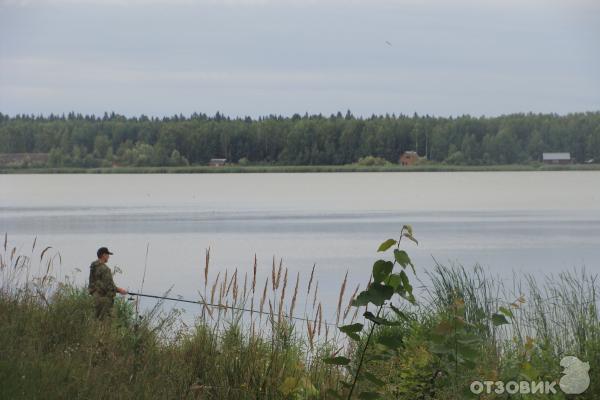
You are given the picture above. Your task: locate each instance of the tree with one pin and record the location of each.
(101, 146)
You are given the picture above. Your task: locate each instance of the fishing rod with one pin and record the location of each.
(207, 304)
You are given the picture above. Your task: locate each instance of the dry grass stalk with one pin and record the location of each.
(273, 274)
(310, 281)
(282, 298)
(231, 281)
(254, 274)
(271, 312)
(340, 298)
(264, 297)
(234, 285)
(225, 280)
(205, 307)
(206, 264)
(278, 278)
(294, 296)
(320, 314)
(245, 285)
(310, 333)
(347, 310)
(354, 315)
(221, 291)
(214, 288)
(315, 295)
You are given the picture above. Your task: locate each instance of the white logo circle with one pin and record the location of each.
(576, 379)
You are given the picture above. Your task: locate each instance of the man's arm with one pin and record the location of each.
(108, 278)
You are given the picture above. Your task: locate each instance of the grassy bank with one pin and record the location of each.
(202, 169)
(51, 346)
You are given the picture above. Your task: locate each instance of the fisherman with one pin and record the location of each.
(101, 285)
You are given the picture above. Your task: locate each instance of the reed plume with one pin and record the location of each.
(349, 306)
(282, 298)
(294, 296)
(341, 296)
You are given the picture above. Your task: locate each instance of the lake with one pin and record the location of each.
(534, 222)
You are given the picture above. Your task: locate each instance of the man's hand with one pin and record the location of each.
(122, 291)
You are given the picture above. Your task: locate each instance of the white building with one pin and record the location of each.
(556, 158)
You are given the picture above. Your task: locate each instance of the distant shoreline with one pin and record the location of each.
(201, 169)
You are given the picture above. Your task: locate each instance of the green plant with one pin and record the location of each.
(384, 284)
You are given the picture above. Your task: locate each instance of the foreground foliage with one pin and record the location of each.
(464, 326)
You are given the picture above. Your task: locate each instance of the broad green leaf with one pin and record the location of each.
(405, 282)
(352, 330)
(410, 237)
(506, 312)
(337, 360)
(377, 320)
(387, 244)
(378, 293)
(391, 341)
(394, 281)
(381, 270)
(499, 319)
(403, 259)
(362, 299)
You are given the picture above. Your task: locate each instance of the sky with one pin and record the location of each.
(261, 57)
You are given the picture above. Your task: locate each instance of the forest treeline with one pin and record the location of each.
(112, 139)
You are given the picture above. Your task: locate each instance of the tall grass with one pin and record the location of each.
(551, 317)
(257, 340)
(50, 343)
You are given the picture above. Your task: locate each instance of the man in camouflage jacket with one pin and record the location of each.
(101, 285)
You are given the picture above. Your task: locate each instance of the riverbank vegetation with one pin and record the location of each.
(464, 325)
(256, 169)
(87, 141)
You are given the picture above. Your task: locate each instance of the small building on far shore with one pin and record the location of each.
(556, 158)
(217, 162)
(408, 158)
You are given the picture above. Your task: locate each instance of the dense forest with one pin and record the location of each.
(112, 139)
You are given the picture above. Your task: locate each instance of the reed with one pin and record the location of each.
(241, 355)
(340, 298)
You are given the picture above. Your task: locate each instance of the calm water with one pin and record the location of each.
(507, 221)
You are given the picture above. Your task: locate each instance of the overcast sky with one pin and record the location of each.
(252, 57)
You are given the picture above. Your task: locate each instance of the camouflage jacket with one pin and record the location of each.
(101, 281)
